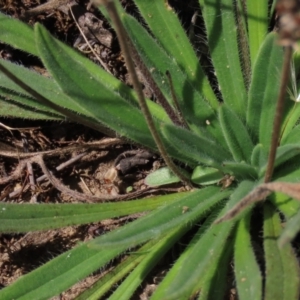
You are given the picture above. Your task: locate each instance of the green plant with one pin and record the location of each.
(233, 138)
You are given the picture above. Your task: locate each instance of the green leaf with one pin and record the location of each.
(43, 85)
(274, 2)
(206, 176)
(59, 274)
(292, 137)
(283, 154)
(196, 108)
(107, 282)
(106, 109)
(290, 122)
(257, 30)
(247, 273)
(136, 277)
(82, 84)
(207, 249)
(183, 211)
(160, 177)
(84, 90)
(201, 150)
(219, 18)
(17, 34)
(239, 170)
(264, 90)
(259, 156)
(236, 135)
(216, 286)
(12, 109)
(243, 41)
(244, 188)
(50, 216)
(214, 283)
(208, 275)
(288, 172)
(282, 268)
(165, 26)
(291, 229)
(289, 207)
(201, 175)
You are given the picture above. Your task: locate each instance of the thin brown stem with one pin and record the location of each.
(134, 55)
(153, 86)
(125, 43)
(279, 112)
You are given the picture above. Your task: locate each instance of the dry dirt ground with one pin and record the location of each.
(90, 174)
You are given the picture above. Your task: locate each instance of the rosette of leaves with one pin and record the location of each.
(227, 134)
